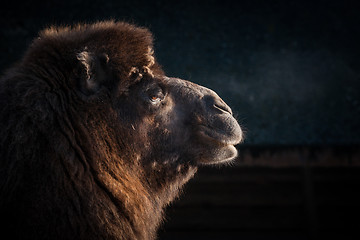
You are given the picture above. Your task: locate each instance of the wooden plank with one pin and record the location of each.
(228, 218)
(294, 156)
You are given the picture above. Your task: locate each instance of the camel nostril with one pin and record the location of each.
(223, 108)
(216, 103)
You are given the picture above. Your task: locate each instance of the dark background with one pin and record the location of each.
(291, 72)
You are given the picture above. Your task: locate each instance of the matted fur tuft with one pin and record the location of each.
(117, 39)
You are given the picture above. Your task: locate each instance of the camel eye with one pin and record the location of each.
(154, 94)
(156, 98)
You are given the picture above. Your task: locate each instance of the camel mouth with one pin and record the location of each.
(232, 135)
(220, 144)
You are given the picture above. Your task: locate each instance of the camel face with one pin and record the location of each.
(184, 122)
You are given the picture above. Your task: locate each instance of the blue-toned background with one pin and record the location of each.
(289, 69)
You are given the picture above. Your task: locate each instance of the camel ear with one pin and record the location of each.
(95, 68)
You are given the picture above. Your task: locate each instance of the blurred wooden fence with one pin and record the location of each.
(272, 193)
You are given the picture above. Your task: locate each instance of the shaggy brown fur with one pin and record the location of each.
(95, 140)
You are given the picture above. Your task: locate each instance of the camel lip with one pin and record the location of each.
(219, 136)
(232, 154)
